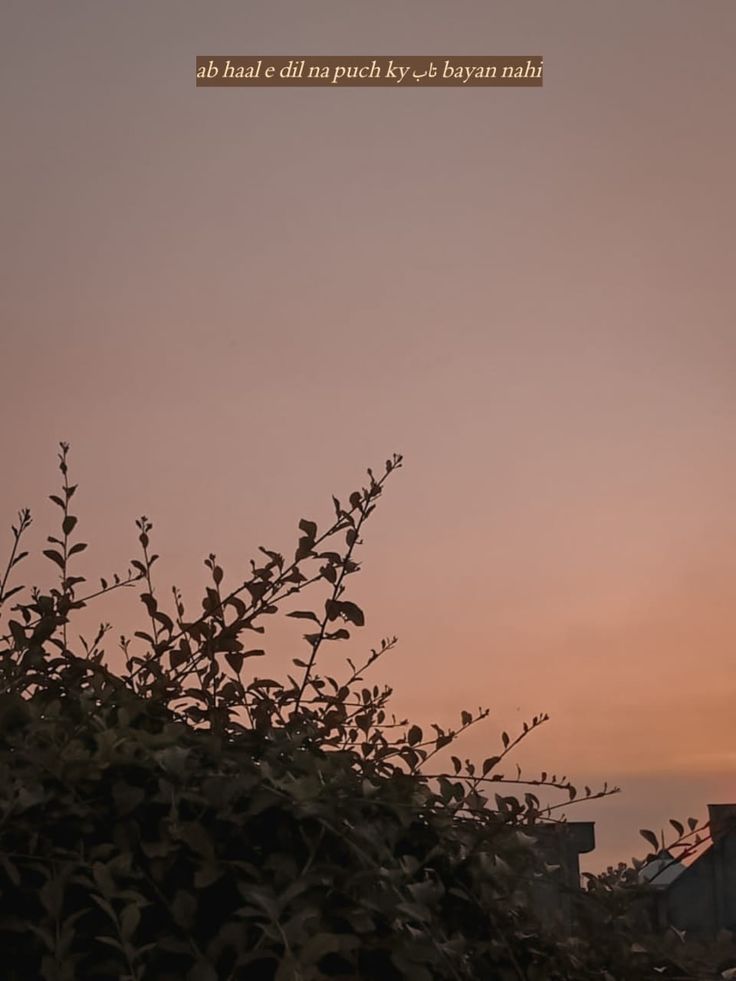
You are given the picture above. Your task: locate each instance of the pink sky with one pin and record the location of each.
(231, 302)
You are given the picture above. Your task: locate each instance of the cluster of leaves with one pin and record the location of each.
(187, 818)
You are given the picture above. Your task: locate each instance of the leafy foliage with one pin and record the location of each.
(189, 818)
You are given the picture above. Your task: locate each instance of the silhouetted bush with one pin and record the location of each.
(186, 818)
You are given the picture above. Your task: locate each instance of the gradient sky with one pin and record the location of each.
(231, 302)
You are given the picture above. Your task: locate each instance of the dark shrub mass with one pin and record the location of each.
(189, 818)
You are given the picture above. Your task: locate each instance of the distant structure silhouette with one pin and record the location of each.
(701, 898)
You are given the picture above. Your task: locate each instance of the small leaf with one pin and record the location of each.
(52, 554)
(184, 908)
(10, 870)
(303, 615)
(12, 592)
(179, 657)
(309, 528)
(650, 837)
(17, 632)
(414, 736)
(79, 547)
(129, 920)
(105, 883)
(353, 613)
(234, 659)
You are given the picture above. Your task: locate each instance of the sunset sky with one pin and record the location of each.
(231, 302)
